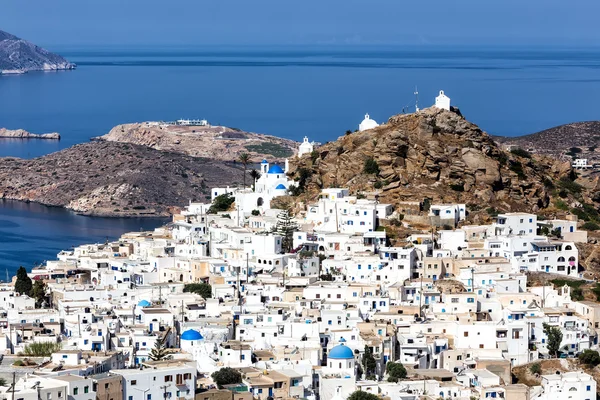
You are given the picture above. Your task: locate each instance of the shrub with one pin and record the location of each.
(274, 149)
(589, 357)
(378, 185)
(396, 370)
(221, 203)
(535, 368)
(590, 226)
(457, 187)
(517, 168)
(255, 212)
(203, 289)
(226, 376)
(42, 349)
(314, 156)
(521, 153)
(492, 211)
(561, 205)
(569, 185)
(18, 363)
(371, 166)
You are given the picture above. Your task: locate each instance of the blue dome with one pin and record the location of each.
(144, 303)
(341, 352)
(280, 186)
(275, 169)
(191, 334)
(264, 161)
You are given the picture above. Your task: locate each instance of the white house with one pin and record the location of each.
(574, 385)
(442, 101)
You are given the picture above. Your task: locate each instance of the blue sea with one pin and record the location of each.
(291, 92)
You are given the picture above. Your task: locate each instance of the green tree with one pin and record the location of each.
(255, 175)
(226, 376)
(371, 166)
(203, 289)
(2, 382)
(368, 361)
(589, 357)
(41, 349)
(555, 337)
(23, 284)
(159, 352)
(360, 395)
(38, 292)
(244, 158)
(221, 203)
(396, 371)
(286, 226)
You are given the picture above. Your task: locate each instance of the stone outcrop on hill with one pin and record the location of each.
(114, 179)
(19, 56)
(559, 140)
(433, 154)
(216, 142)
(23, 134)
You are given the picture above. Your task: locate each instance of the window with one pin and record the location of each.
(588, 388)
(75, 391)
(318, 296)
(466, 334)
(180, 376)
(168, 378)
(454, 300)
(86, 389)
(149, 397)
(60, 394)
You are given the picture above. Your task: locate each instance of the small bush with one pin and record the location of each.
(221, 203)
(457, 187)
(18, 363)
(517, 168)
(371, 166)
(521, 153)
(569, 185)
(590, 226)
(561, 205)
(492, 211)
(378, 185)
(535, 368)
(589, 357)
(255, 212)
(42, 349)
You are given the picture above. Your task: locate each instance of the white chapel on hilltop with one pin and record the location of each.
(442, 101)
(367, 124)
(306, 147)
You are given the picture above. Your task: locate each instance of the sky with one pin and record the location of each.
(293, 22)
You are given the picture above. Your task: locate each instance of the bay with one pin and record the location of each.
(317, 91)
(31, 233)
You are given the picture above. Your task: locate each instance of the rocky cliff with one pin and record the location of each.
(217, 142)
(114, 179)
(23, 134)
(433, 154)
(18, 56)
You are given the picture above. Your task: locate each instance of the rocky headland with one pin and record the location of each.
(579, 139)
(114, 179)
(438, 155)
(216, 142)
(20, 56)
(23, 134)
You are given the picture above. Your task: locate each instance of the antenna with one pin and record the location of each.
(416, 99)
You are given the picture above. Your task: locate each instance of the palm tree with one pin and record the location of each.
(244, 158)
(254, 174)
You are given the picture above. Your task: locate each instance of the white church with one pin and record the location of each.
(306, 147)
(442, 101)
(367, 124)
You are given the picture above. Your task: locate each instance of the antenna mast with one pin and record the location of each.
(416, 99)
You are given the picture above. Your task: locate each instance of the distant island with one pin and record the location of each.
(23, 134)
(18, 56)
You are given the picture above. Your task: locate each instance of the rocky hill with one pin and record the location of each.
(433, 154)
(559, 140)
(23, 134)
(216, 142)
(114, 179)
(18, 56)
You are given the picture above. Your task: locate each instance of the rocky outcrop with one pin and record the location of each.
(433, 154)
(114, 179)
(217, 142)
(23, 134)
(19, 56)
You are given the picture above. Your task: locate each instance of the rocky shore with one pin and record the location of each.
(114, 179)
(23, 134)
